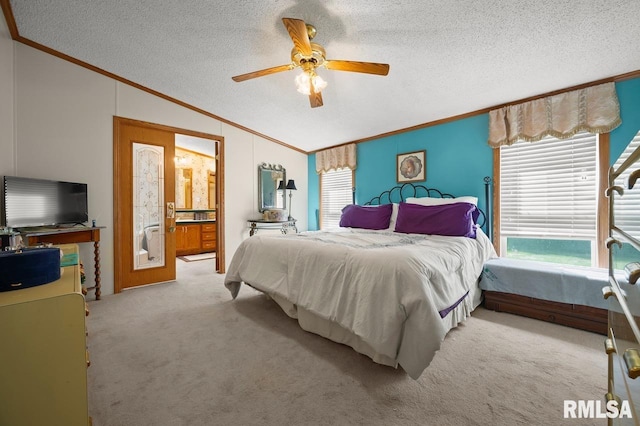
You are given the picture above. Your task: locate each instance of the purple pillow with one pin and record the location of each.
(367, 217)
(454, 220)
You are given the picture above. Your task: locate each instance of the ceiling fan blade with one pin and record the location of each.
(315, 99)
(353, 66)
(298, 32)
(261, 73)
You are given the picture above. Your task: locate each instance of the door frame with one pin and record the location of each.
(117, 201)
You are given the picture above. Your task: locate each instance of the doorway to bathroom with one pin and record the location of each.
(195, 195)
(150, 209)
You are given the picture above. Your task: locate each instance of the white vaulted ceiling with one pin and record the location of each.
(446, 57)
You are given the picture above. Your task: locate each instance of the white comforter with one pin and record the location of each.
(386, 288)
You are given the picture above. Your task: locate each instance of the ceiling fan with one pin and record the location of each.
(309, 56)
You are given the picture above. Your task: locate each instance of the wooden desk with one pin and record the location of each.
(35, 236)
(283, 225)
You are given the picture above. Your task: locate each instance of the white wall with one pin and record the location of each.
(64, 131)
(6, 101)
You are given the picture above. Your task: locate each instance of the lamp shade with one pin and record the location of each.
(291, 185)
(281, 185)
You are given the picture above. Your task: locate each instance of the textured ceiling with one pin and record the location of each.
(447, 57)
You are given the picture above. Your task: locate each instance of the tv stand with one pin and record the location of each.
(68, 235)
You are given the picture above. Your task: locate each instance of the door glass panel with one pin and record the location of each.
(148, 206)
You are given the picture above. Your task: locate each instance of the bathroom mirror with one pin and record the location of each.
(183, 188)
(211, 182)
(271, 182)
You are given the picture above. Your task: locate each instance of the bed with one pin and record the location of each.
(389, 293)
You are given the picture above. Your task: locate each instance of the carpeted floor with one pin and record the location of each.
(184, 353)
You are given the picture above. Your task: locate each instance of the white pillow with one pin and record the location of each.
(394, 216)
(428, 201)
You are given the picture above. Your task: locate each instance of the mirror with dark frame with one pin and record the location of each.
(271, 187)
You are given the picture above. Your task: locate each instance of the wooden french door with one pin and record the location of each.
(144, 205)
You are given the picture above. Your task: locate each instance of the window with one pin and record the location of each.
(548, 200)
(336, 191)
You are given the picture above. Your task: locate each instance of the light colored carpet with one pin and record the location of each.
(184, 353)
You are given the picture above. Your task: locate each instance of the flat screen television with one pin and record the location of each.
(30, 202)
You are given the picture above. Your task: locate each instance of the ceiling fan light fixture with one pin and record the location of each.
(307, 79)
(309, 56)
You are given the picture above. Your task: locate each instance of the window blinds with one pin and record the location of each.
(548, 188)
(626, 208)
(335, 193)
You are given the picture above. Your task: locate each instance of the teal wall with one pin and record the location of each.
(314, 193)
(629, 97)
(458, 157)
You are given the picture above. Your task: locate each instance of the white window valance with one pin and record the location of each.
(593, 109)
(336, 158)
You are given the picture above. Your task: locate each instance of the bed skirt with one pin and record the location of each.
(313, 323)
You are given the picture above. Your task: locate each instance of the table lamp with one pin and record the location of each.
(291, 186)
(284, 193)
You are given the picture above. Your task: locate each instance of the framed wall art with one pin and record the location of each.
(411, 166)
